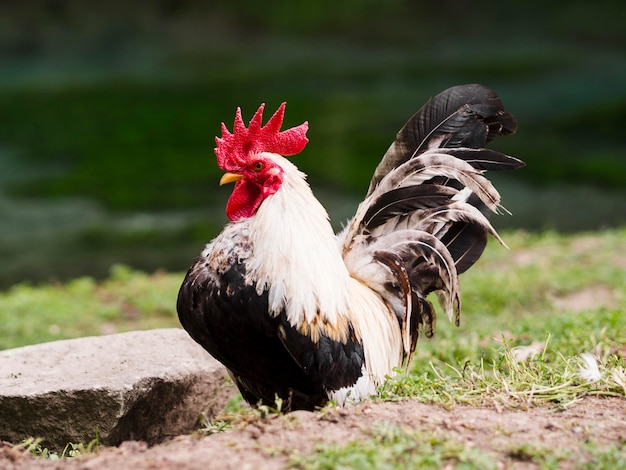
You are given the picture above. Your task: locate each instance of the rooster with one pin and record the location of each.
(301, 316)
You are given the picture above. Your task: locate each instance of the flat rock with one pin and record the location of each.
(142, 385)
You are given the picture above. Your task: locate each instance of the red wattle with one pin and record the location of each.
(244, 201)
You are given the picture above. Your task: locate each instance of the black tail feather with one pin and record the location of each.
(462, 116)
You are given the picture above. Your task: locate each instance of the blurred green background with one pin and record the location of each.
(108, 112)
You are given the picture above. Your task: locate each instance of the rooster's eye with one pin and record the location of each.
(258, 166)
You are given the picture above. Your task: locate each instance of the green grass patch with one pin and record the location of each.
(34, 447)
(393, 447)
(510, 379)
(128, 300)
(390, 446)
(528, 314)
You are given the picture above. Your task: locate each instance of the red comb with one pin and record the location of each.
(233, 150)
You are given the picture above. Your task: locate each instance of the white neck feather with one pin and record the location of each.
(299, 261)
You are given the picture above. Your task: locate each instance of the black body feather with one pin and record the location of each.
(265, 355)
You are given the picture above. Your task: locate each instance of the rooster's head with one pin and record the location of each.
(245, 155)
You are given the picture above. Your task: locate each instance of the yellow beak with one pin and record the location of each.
(230, 178)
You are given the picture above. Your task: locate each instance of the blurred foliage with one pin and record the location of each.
(127, 145)
(137, 146)
(108, 112)
(356, 71)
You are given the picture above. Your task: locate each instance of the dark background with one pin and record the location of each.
(108, 112)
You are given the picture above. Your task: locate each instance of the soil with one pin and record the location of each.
(268, 443)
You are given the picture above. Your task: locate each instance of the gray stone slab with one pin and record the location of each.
(141, 385)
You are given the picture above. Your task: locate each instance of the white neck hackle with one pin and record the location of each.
(301, 265)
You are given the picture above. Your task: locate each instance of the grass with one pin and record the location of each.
(390, 446)
(528, 315)
(127, 300)
(33, 446)
(394, 447)
(525, 302)
(551, 378)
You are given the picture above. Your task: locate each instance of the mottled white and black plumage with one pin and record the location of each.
(299, 313)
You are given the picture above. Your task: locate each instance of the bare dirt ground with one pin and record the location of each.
(268, 443)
